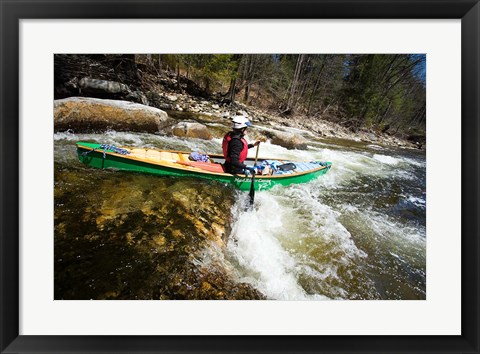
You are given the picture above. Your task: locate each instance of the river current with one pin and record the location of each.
(358, 232)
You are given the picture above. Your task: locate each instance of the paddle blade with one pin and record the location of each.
(252, 190)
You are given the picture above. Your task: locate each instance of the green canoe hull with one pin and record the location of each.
(88, 155)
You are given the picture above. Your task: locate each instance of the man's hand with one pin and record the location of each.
(256, 143)
(250, 169)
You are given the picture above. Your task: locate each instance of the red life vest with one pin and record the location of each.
(226, 140)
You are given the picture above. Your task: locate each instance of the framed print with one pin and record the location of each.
(276, 153)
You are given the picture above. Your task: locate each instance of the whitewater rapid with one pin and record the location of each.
(357, 232)
(322, 239)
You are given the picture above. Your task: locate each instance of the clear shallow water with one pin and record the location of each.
(357, 232)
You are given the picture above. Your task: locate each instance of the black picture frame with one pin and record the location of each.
(12, 11)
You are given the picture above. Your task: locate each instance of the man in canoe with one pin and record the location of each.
(235, 147)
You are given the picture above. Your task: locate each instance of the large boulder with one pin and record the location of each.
(84, 114)
(288, 140)
(191, 130)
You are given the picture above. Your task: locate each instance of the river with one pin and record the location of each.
(358, 232)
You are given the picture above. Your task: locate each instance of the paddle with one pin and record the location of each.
(252, 190)
(252, 186)
(256, 154)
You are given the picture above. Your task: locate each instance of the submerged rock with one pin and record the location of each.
(83, 114)
(130, 236)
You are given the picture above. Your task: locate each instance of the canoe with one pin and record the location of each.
(178, 164)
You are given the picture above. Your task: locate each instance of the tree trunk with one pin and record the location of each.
(248, 76)
(293, 88)
(231, 90)
(178, 74)
(155, 62)
(315, 87)
(246, 93)
(129, 65)
(382, 117)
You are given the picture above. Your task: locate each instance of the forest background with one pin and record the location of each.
(381, 93)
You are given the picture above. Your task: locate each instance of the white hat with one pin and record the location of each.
(240, 122)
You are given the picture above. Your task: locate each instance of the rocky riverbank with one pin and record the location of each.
(321, 128)
(79, 76)
(86, 114)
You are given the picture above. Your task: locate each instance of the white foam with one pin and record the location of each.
(322, 219)
(417, 201)
(390, 230)
(66, 135)
(124, 138)
(254, 244)
(375, 147)
(389, 160)
(416, 163)
(270, 244)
